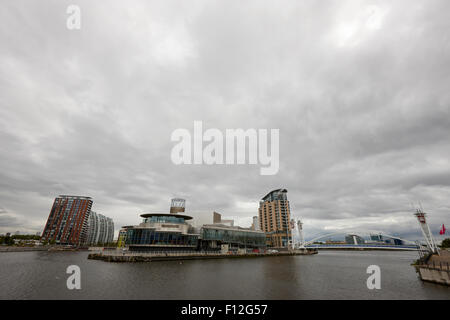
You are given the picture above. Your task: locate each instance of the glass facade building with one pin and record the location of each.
(162, 232)
(213, 236)
(143, 236)
(172, 232)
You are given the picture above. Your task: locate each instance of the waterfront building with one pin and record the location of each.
(100, 229)
(172, 232)
(68, 220)
(376, 237)
(123, 236)
(233, 238)
(274, 217)
(162, 232)
(225, 237)
(354, 239)
(383, 239)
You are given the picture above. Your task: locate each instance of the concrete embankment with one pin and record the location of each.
(436, 269)
(41, 248)
(23, 249)
(145, 257)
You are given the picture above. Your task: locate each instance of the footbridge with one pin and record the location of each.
(406, 244)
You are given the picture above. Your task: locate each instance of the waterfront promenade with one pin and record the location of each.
(436, 269)
(122, 256)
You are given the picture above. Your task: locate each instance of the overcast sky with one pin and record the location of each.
(360, 91)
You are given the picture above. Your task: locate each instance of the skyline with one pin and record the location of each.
(358, 92)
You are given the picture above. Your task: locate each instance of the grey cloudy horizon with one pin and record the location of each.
(358, 89)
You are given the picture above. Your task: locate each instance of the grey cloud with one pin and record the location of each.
(358, 90)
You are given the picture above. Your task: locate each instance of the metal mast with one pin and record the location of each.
(421, 217)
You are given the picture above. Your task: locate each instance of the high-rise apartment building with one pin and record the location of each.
(255, 224)
(100, 229)
(274, 217)
(68, 220)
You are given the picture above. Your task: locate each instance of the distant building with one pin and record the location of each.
(376, 237)
(398, 242)
(274, 217)
(68, 220)
(255, 224)
(354, 239)
(100, 229)
(219, 236)
(334, 242)
(217, 219)
(379, 238)
(123, 236)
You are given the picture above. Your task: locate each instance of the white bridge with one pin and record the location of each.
(406, 245)
(364, 246)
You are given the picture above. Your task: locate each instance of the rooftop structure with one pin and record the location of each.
(177, 205)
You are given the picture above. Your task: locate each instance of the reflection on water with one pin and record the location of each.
(328, 275)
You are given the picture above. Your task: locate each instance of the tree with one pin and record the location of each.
(9, 241)
(445, 243)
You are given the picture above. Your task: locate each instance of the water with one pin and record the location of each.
(327, 275)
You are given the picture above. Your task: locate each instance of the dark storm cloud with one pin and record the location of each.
(358, 90)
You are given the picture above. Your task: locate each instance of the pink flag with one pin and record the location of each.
(442, 231)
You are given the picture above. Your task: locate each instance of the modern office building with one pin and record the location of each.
(379, 238)
(100, 229)
(354, 239)
(274, 217)
(68, 220)
(173, 232)
(233, 238)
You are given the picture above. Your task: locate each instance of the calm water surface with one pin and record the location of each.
(327, 275)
